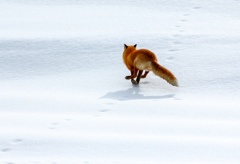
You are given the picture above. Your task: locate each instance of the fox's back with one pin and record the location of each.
(143, 58)
(144, 55)
(140, 59)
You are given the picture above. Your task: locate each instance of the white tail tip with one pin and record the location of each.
(175, 83)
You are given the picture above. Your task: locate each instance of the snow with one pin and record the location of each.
(64, 98)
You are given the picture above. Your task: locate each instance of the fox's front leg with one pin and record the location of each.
(134, 72)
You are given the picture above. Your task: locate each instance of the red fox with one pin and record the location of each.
(139, 60)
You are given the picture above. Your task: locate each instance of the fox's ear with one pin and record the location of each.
(135, 46)
(125, 46)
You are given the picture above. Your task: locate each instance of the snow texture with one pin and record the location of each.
(64, 98)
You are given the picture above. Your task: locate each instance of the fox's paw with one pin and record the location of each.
(134, 82)
(128, 77)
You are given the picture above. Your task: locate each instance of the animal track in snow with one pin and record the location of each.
(103, 110)
(53, 125)
(169, 59)
(197, 7)
(179, 27)
(5, 149)
(176, 42)
(173, 50)
(16, 141)
(175, 35)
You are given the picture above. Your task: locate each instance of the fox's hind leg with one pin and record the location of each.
(145, 74)
(138, 77)
(132, 80)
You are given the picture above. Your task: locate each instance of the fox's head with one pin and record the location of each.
(131, 47)
(128, 49)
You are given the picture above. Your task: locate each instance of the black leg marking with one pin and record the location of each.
(139, 76)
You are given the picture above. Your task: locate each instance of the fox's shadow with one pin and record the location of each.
(132, 94)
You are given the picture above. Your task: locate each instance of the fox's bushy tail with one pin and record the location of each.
(164, 73)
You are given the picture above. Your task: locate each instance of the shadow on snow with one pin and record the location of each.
(132, 94)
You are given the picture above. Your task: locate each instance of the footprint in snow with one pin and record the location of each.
(175, 35)
(16, 141)
(177, 42)
(53, 125)
(173, 50)
(197, 7)
(5, 149)
(104, 110)
(169, 59)
(185, 15)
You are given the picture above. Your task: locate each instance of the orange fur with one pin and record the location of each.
(143, 59)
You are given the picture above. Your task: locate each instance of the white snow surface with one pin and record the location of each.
(64, 98)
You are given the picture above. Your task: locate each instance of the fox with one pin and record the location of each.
(141, 60)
